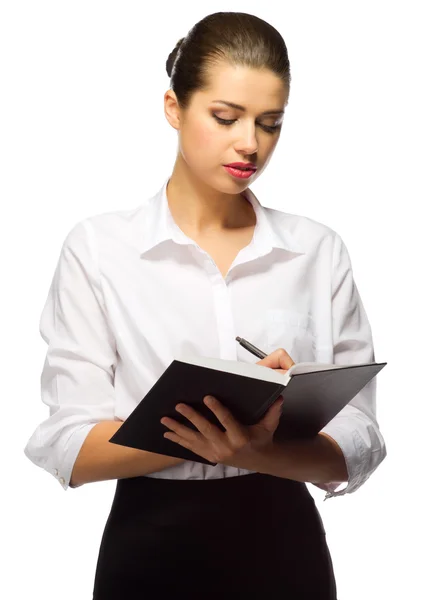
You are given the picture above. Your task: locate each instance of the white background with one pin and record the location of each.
(83, 131)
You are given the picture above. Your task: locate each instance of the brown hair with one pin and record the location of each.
(237, 38)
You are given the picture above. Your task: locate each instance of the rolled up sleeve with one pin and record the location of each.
(355, 428)
(77, 380)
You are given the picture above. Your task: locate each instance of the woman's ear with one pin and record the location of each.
(172, 109)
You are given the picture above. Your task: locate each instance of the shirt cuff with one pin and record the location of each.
(353, 449)
(65, 454)
(329, 487)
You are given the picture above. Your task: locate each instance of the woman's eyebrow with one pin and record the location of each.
(267, 112)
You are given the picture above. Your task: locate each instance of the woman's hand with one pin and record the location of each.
(275, 360)
(239, 444)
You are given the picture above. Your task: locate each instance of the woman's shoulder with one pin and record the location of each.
(118, 223)
(302, 229)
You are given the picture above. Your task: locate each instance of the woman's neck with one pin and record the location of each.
(202, 210)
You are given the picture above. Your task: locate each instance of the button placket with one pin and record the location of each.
(224, 317)
(222, 304)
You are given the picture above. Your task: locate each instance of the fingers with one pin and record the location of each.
(207, 429)
(223, 414)
(270, 420)
(179, 429)
(212, 433)
(279, 359)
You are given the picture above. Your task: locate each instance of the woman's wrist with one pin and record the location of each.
(318, 460)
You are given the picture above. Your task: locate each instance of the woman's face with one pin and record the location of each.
(206, 144)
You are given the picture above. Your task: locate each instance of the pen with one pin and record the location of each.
(253, 349)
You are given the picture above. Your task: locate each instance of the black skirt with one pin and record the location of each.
(250, 536)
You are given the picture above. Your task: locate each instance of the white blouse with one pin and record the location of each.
(131, 291)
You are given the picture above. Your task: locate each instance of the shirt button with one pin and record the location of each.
(61, 480)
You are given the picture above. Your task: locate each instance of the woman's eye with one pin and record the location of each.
(267, 128)
(224, 121)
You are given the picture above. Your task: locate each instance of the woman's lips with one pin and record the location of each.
(240, 173)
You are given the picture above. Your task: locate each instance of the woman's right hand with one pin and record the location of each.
(279, 360)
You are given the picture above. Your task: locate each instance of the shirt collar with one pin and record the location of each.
(158, 226)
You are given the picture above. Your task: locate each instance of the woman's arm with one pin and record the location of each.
(355, 428)
(99, 460)
(77, 381)
(318, 460)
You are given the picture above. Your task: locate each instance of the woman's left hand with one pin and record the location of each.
(238, 446)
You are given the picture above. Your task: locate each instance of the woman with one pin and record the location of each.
(190, 269)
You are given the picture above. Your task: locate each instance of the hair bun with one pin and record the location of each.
(172, 57)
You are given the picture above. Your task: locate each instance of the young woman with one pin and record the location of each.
(191, 268)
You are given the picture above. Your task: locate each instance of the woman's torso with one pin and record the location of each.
(166, 294)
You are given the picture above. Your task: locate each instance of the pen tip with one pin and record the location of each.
(238, 338)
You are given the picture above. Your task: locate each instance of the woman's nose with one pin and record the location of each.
(247, 143)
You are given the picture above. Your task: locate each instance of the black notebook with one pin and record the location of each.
(313, 394)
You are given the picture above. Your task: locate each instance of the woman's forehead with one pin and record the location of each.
(244, 87)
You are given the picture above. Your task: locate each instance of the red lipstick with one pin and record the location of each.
(240, 170)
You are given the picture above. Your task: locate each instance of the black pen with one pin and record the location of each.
(253, 349)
